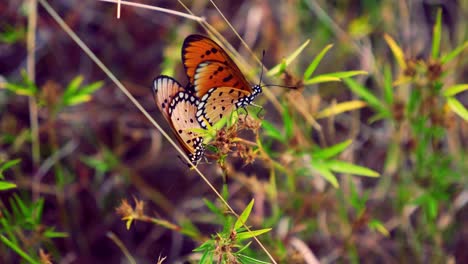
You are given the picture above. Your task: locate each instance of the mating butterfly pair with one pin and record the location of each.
(216, 88)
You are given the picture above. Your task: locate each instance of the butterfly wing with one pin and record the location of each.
(198, 49)
(179, 108)
(164, 90)
(219, 102)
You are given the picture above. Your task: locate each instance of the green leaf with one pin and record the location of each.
(77, 99)
(91, 88)
(20, 89)
(12, 34)
(245, 235)
(457, 107)
(8, 165)
(277, 69)
(323, 170)
(450, 56)
(18, 250)
(242, 220)
(213, 208)
(344, 74)
(388, 87)
(249, 260)
(321, 79)
(288, 122)
(437, 35)
(313, 65)
(456, 89)
(332, 151)
(55, 234)
(207, 257)
(272, 131)
(379, 227)
(396, 50)
(345, 167)
(4, 185)
(364, 92)
(73, 86)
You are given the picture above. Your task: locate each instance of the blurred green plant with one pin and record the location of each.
(22, 230)
(5, 185)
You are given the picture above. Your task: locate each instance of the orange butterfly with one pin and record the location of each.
(179, 108)
(216, 80)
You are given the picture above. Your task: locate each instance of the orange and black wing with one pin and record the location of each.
(220, 102)
(198, 49)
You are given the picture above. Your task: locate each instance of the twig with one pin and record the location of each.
(122, 247)
(31, 69)
(164, 10)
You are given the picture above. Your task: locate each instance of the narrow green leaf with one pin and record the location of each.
(344, 74)
(451, 55)
(437, 30)
(8, 165)
(332, 151)
(313, 65)
(366, 95)
(272, 131)
(456, 89)
(20, 89)
(250, 260)
(207, 257)
(213, 208)
(4, 185)
(457, 107)
(37, 211)
(74, 84)
(288, 122)
(396, 50)
(321, 79)
(77, 99)
(242, 220)
(345, 167)
(379, 227)
(55, 234)
(388, 87)
(245, 235)
(321, 168)
(18, 250)
(90, 88)
(275, 70)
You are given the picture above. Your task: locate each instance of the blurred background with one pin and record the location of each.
(75, 146)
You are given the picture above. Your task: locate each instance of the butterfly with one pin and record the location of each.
(179, 108)
(215, 79)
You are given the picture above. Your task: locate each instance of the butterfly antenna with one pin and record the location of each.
(262, 66)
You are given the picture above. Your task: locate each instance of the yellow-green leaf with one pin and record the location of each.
(340, 108)
(453, 90)
(288, 59)
(313, 65)
(244, 215)
(345, 167)
(457, 107)
(396, 50)
(247, 234)
(437, 30)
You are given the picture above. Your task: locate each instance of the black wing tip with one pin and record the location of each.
(162, 76)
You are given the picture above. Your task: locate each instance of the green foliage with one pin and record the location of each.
(226, 246)
(25, 217)
(11, 34)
